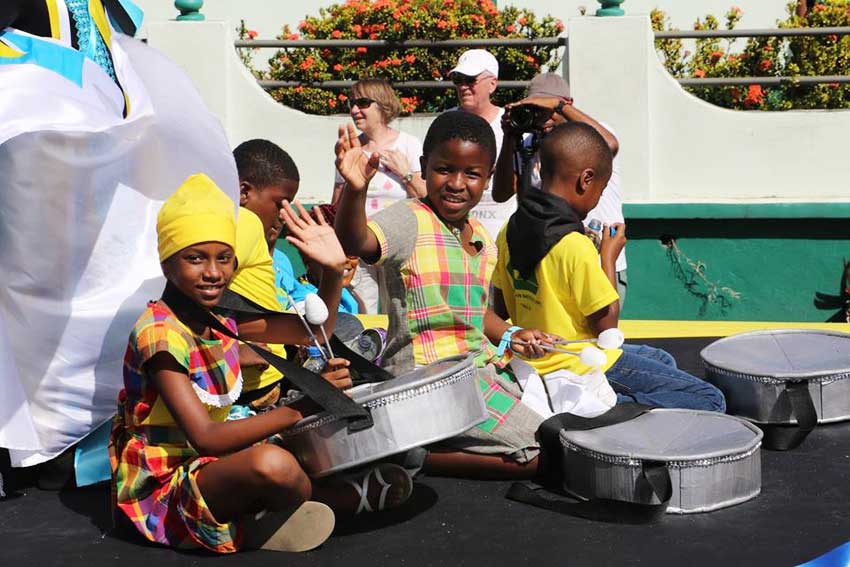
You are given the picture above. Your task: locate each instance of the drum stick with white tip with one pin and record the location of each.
(307, 327)
(317, 313)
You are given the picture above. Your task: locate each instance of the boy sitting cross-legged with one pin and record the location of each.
(434, 267)
(549, 275)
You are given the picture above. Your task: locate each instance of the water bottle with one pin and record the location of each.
(595, 226)
(315, 361)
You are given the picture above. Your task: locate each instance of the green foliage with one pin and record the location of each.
(402, 20)
(765, 57)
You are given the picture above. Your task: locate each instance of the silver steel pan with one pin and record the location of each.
(753, 370)
(430, 404)
(713, 459)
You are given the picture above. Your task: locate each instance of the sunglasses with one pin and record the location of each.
(360, 102)
(459, 79)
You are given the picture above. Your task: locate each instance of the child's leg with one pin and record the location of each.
(503, 447)
(472, 465)
(647, 351)
(264, 477)
(646, 381)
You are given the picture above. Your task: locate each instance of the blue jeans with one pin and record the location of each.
(649, 376)
(647, 351)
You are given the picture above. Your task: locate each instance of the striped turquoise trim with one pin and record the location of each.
(50, 55)
(829, 210)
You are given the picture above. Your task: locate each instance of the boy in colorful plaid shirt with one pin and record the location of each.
(435, 264)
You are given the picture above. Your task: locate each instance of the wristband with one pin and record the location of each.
(561, 104)
(505, 341)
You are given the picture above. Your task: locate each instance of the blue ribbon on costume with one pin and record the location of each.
(62, 60)
(838, 557)
(91, 458)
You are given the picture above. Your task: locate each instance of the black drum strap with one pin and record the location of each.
(367, 371)
(549, 494)
(785, 437)
(331, 399)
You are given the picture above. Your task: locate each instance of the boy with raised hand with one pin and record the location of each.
(549, 276)
(267, 178)
(435, 262)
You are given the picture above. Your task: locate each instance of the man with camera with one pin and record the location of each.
(524, 124)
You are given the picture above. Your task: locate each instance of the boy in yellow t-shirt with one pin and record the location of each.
(549, 277)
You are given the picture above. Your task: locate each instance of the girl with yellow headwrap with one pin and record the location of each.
(182, 474)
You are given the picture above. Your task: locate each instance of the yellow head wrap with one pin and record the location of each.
(197, 212)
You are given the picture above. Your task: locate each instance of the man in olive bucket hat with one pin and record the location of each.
(549, 93)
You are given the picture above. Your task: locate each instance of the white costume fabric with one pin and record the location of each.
(79, 192)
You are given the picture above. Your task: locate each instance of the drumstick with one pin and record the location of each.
(590, 356)
(306, 326)
(317, 313)
(546, 347)
(609, 338)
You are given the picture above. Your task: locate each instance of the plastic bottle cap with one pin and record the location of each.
(314, 352)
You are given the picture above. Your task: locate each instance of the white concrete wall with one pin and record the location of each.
(204, 51)
(674, 147)
(678, 148)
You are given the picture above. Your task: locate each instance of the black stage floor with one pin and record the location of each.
(803, 512)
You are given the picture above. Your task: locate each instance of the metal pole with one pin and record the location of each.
(766, 81)
(421, 43)
(779, 32)
(398, 85)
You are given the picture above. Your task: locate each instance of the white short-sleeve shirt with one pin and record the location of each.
(386, 187)
(488, 212)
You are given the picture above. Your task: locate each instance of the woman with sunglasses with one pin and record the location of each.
(373, 106)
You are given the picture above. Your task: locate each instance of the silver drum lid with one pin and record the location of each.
(429, 374)
(782, 354)
(670, 435)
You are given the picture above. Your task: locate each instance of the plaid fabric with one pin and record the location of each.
(153, 466)
(446, 289)
(499, 401)
(445, 294)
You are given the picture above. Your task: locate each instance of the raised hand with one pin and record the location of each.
(611, 246)
(355, 165)
(395, 161)
(316, 240)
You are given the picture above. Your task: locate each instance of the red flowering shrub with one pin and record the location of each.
(766, 57)
(401, 20)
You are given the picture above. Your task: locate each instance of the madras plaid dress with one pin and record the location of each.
(154, 468)
(446, 292)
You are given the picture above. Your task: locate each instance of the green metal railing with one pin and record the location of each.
(551, 42)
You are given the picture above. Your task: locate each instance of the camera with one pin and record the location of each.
(526, 118)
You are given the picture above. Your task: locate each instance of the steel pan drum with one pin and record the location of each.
(754, 369)
(714, 460)
(430, 404)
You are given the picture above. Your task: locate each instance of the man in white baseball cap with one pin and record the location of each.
(475, 77)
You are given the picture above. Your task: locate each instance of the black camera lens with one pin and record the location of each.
(523, 118)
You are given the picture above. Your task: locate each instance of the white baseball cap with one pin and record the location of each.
(473, 62)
